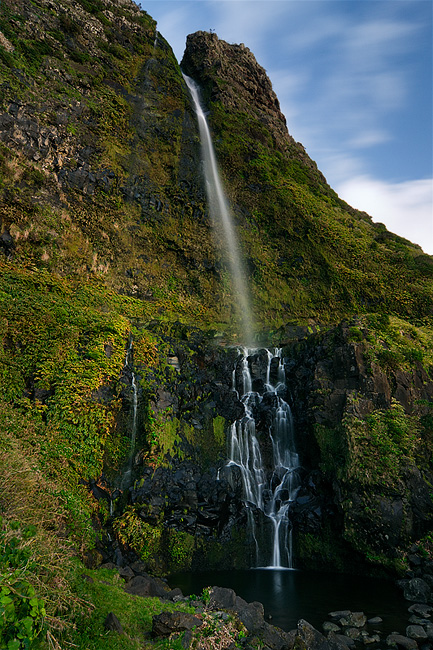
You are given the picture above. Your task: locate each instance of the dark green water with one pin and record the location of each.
(290, 595)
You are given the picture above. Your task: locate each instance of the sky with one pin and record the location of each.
(354, 80)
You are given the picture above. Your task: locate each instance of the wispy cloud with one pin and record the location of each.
(348, 75)
(405, 208)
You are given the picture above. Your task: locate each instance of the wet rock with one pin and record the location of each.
(222, 598)
(417, 590)
(400, 641)
(368, 639)
(416, 632)
(421, 609)
(112, 624)
(376, 620)
(336, 616)
(330, 627)
(310, 637)
(166, 623)
(353, 633)
(353, 619)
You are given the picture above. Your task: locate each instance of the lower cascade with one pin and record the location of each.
(262, 450)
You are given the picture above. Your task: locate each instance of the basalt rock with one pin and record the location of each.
(166, 623)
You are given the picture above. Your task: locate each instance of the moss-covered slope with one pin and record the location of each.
(104, 238)
(310, 253)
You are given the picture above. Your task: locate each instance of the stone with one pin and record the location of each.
(338, 641)
(373, 638)
(146, 586)
(222, 598)
(428, 626)
(175, 595)
(250, 614)
(311, 637)
(400, 641)
(330, 627)
(353, 633)
(274, 637)
(376, 620)
(421, 609)
(339, 614)
(107, 565)
(416, 632)
(166, 623)
(126, 573)
(112, 624)
(354, 619)
(417, 590)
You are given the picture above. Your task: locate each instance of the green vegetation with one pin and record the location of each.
(105, 237)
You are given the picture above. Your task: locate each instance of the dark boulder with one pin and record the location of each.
(145, 585)
(112, 624)
(166, 623)
(308, 638)
(417, 590)
(400, 641)
(250, 614)
(222, 598)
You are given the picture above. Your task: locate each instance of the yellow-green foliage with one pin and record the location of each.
(57, 344)
(371, 450)
(380, 444)
(180, 550)
(219, 430)
(104, 593)
(165, 437)
(151, 542)
(142, 537)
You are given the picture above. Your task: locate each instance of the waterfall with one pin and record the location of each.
(134, 403)
(269, 484)
(222, 218)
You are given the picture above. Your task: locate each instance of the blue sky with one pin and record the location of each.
(354, 80)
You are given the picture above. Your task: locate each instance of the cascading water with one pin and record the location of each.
(222, 218)
(268, 486)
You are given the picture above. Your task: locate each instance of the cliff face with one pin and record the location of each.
(110, 279)
(102, 176)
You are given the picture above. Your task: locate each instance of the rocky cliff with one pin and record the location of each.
(116, 314)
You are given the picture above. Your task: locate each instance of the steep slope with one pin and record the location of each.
(101, 176)
(108, 269)
(310, 253)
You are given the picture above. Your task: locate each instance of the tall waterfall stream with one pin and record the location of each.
(222, 219)
(268, 487)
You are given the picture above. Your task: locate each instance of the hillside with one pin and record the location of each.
(117, 314)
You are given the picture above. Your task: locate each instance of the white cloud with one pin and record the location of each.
(369, 138)
(405, 208)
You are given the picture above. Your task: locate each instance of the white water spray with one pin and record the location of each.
(222, 218)
(273, 489)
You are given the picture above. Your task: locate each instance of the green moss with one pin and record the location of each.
(323, 550)
(334, 449)
(180, 550)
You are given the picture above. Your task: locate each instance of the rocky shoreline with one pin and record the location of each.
(219, 618)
